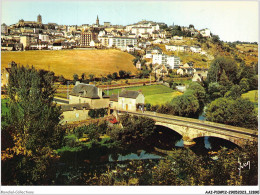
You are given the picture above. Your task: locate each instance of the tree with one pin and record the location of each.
(198, 91)
(239, 112)
(61, 79)
(83, 76)
(109, 76)
(91, 77)
(114, 75)
(215, 39)
(122, 74)
(75, 78)
(185, 105)
(136, 131)
(33, 114)
(214, 91)
(128, 74)
(92, 131)
(33, 118)
(234, 92)
(244, 85)
(103, 79)
(218, 66)
(191, 26)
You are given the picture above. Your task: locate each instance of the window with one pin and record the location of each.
(77, 115)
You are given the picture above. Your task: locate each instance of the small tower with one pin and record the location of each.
(39, 19)
(97, 21)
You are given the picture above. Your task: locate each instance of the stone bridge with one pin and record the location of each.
(190, 129)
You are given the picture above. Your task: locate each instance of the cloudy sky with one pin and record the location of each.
(231, 20)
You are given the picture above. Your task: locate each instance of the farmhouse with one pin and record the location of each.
(126, 100)
(85, 93)
(74, 112)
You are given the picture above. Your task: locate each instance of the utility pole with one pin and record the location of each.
(67, 89)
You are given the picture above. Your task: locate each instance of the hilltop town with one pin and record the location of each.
(78, 100)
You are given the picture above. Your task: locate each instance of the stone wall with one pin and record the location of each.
(75, 115)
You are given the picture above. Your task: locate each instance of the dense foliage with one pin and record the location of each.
(237, 112)
(96, 113)
(32, 128)
(135, 131)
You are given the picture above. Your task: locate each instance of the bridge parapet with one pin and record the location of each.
(194, 128)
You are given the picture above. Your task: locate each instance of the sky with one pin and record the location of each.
(231, 20)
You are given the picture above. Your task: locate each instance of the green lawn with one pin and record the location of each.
(146, 90)
(158, 99)
(154, 94)
(253, 97)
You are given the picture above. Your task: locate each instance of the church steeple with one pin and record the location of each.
(97, 21)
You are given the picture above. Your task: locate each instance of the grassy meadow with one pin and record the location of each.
(253, 97)
(154, 94)
(69, 62)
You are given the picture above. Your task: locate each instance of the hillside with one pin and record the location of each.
(245, 52)
(69, 62)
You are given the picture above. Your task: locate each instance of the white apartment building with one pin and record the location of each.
(44, 37)
(172, 62)
(122, 42)
(143, 27)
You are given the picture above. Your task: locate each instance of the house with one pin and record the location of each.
(177, 38)
(7, 47)
(127, 100)
(160, 70)
(130, 48)
(205, 32)
(195, 49)
(74, 112)
(86, 93)
(182, 71)
(138, 65)
(56, 46)
(94, 43)
(200, 75)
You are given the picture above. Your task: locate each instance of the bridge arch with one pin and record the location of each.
(175, 128)
(233, 140)
(216, 142)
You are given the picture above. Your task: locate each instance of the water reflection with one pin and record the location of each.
(165, 140)
(135, 156)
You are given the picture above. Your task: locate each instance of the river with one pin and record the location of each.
(166, 140)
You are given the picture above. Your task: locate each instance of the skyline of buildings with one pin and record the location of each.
(223, 18)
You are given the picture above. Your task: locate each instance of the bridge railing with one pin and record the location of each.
(159, 116)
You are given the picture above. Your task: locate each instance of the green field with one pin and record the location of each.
(159, 99)
(154, 94)
(253, 97)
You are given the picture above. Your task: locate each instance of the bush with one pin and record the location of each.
(148, 107)
(154, 108)
(96, 113)
(239, 112)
